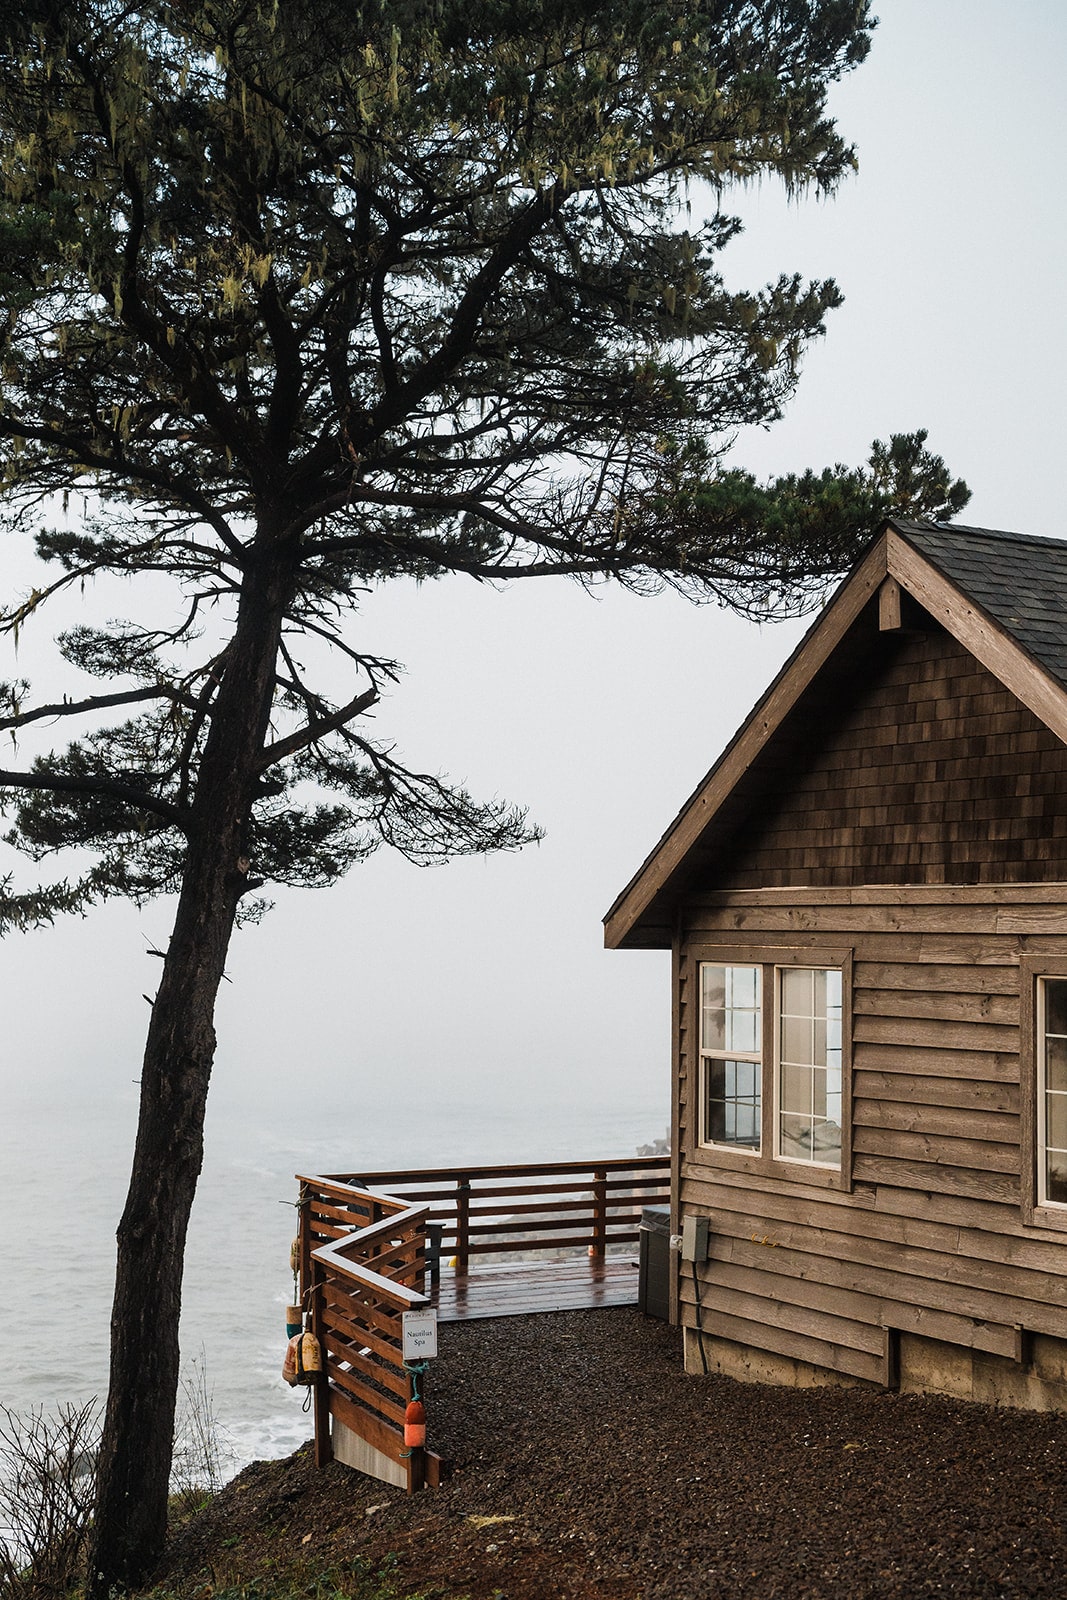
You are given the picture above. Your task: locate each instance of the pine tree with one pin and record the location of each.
(308, 294)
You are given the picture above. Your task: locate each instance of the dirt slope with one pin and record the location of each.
(590, 1467)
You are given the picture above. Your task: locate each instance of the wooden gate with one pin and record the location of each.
(362, 1254)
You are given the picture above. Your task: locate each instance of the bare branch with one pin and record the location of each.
(316, 730)
(98, 702)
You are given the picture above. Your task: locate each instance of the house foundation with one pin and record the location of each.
(1035, 1382)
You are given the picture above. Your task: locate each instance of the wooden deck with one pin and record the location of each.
(371, 1246)
(524, 1288)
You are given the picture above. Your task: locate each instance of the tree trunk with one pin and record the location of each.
(135, 1458)
(136, 1449)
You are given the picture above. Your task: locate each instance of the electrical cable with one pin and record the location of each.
(699, 1319)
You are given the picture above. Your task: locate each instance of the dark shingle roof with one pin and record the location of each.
(1021, 581)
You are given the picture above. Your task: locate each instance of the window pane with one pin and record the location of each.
(796, 1089)
(1056, 1122)
(833, 995)
(732, 1103)
(730, 1008)
(747, 1078)
(1056, 1063)
(743, 986)
(745, 1124)
(809, 1065)
(818, 997)
(796, 991)
(818, 1092)
(713, 1024)
(796, 1040)
(796, 1138)
(742, 1031)
(826, 1142)
(1056, 1005)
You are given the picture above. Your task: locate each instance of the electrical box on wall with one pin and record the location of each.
(694, 1238)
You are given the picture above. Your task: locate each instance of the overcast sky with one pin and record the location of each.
(485, 984)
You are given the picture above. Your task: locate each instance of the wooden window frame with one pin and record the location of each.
(765, 1162)
(1035, 1213)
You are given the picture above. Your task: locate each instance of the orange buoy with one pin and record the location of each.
(415, 1425)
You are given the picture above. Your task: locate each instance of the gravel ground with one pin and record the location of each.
(587, 1464)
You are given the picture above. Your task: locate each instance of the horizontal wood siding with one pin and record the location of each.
(917, 766)
(929, 1238)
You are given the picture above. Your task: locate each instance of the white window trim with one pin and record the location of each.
(1043, 1200)
(803, 1162)
(705, 1055)
(725, 953)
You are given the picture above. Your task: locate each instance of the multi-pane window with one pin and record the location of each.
(809, 1065)
(1052, 1091)
(792, 1059)
(731, 1050)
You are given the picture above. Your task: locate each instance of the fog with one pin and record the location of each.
(484, 984)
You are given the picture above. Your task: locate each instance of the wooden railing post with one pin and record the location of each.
(303, 1233)
(463, 1224)
(600, 1214)
(321, 1390)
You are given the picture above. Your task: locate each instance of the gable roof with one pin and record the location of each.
(1018, 580)
(1003, 596)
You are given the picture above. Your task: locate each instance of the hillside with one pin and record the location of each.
(588, 1466)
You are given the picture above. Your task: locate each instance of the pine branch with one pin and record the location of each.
(110, 788)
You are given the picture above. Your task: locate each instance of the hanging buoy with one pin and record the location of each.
(303, 1359)
(289, 1364)
(294, 1320)
(415, 1425)
(294, 1256)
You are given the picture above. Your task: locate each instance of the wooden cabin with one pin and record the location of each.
(866, 900)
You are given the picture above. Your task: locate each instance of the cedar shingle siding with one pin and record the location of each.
(924, 769)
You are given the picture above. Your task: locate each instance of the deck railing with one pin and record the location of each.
(362, 1265)
(369, 1241)
(556, 1208)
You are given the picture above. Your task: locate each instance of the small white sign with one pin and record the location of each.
(420, 1335)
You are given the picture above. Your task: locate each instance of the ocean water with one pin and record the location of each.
(64, 1172)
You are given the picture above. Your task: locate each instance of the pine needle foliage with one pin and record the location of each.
(356, 291)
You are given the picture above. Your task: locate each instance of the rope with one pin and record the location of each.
(416, 1371)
